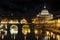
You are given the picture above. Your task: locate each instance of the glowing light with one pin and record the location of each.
(58, 22)
(36, 31)
(1, 25)
(58, 37)
(29, 31)
(44, 6)
(51, 21)
(5, 20)
(13, 22)
(14, 29)
(23, 21)
(51, 33)
(35, 21)
(25, 29)
(44, 12)
(24, 32)
(6, 26)
(47, 32)
(3, 34)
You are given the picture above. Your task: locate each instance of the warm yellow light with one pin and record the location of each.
(24, 31)
(14, 27)
(13, 22)
(5, 20)
(51, 33)
(47, 32)
(58, 37)
(23, 21)
(58, 22)
(36, 31)
(29, 31)
(35, 21)
(2, 36)
(58, 25)
(50, 21)
(6, 26)
(1, 25)
(14, 36)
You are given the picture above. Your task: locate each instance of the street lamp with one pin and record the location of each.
(14, 30)
(25, 30)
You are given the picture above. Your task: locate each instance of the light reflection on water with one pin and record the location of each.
(58, 36)
(49, 34)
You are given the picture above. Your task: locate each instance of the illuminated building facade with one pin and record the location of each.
(45, 14)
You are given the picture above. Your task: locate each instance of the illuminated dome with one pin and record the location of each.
(45, 13)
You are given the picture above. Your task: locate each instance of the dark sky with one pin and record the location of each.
(27, 8)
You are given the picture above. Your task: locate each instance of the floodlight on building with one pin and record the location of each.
(13, 22)
(4, 21)
(45, 14)
(23, 21)
(25, 30)
(14, 30)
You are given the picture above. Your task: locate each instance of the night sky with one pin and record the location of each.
(27, 8)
